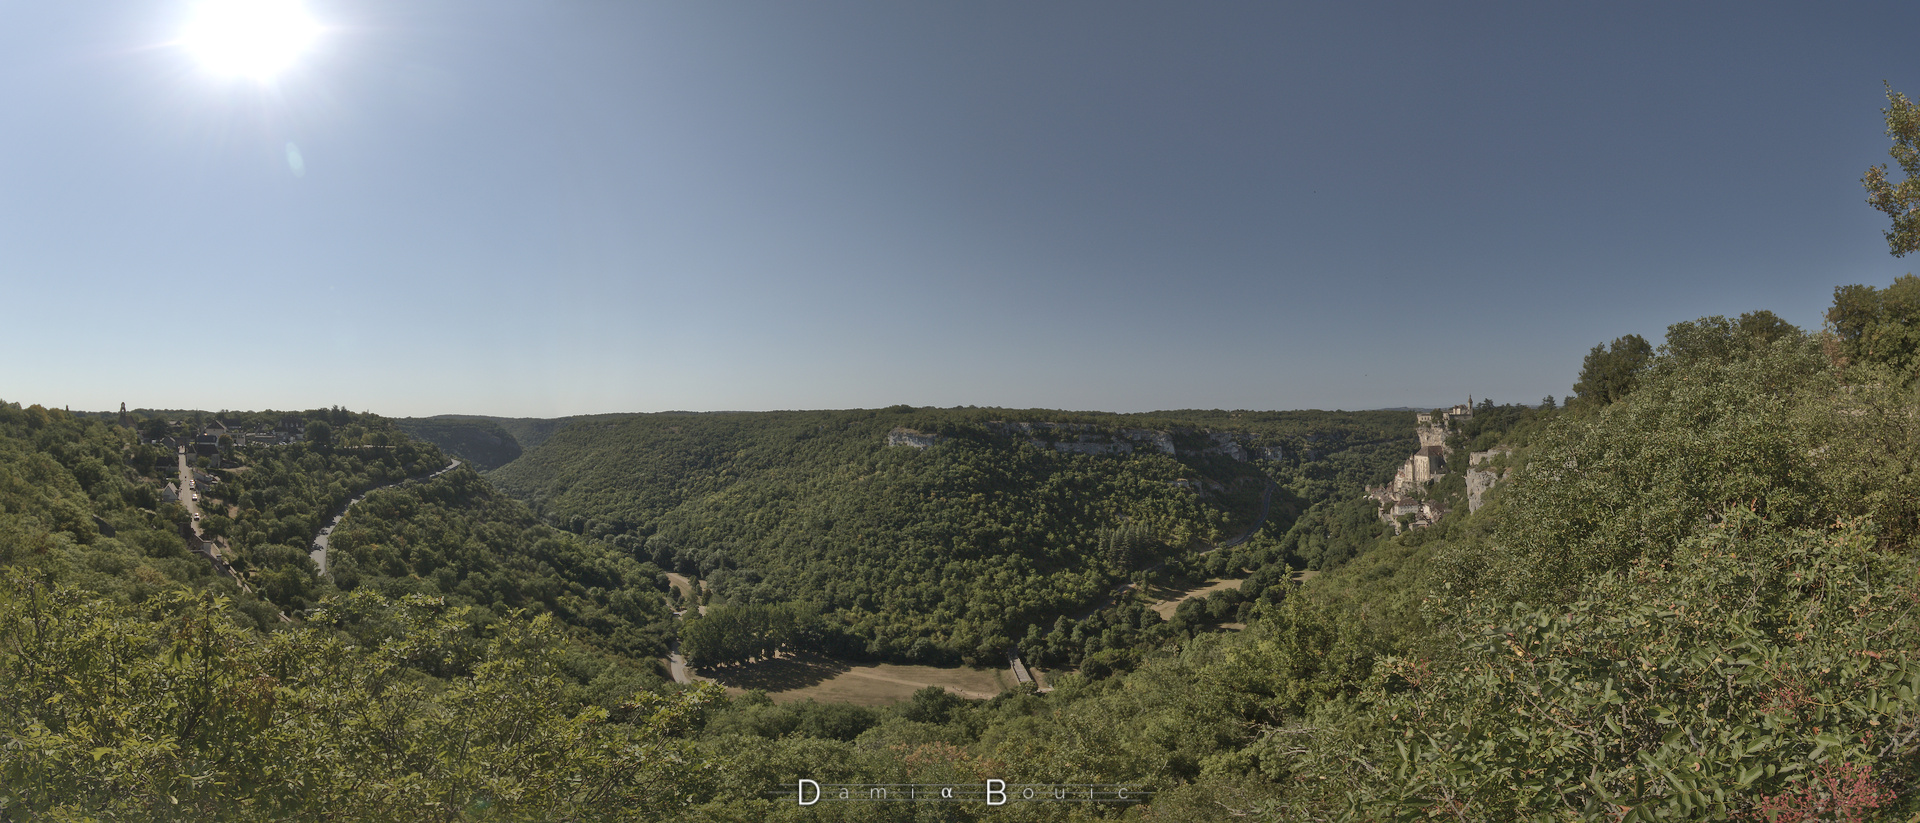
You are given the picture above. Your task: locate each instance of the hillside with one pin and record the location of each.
(481, 442)
(1691, 598)
(929, 535)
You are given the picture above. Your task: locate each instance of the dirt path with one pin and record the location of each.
(1120, 590)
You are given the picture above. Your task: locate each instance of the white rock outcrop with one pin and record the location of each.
(903, 436)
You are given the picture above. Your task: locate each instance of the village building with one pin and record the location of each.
(1426, 465)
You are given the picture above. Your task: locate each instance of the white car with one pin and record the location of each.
(196, 498)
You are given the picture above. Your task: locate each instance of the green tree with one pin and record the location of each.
(1900, 201)
(153, 428)
(1610, 373)
(320, 433)
(1878, 325)
(1718, 338)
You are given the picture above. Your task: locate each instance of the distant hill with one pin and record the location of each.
(530, 432)
(480, 441)
(930, 534)
(524, 432)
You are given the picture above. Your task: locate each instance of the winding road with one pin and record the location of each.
(321, 540)
(677, 665)
(1120, 589)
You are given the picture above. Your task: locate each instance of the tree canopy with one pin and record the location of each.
(1610, 373)
(1900, 201)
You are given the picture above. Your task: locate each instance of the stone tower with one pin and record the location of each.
(125, 423)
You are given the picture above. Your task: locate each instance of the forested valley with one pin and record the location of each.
(950, 552)
(1693, 601)
(1692, 595)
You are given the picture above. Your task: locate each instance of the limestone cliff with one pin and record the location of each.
(903, 436)
(1479, 479)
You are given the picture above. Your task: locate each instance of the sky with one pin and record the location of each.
(539, 209)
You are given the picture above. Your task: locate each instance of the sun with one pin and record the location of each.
(249, 38)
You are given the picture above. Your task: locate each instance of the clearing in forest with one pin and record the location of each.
(799, 677)
(1170, 599)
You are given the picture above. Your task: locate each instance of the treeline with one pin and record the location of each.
(736, 634)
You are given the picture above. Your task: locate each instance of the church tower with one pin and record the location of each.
(124, 422)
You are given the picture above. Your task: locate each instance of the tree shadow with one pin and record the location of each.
(779, 674)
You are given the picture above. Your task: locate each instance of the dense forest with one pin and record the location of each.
(990, 526)
(1694, 596)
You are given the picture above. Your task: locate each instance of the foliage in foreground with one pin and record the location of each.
(1727, 679)
(178, 714)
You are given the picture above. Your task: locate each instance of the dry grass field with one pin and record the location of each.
(1170, 599)
(805, 676)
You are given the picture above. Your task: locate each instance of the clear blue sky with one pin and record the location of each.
(551, 208)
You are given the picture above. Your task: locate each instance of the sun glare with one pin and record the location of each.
(249, 38)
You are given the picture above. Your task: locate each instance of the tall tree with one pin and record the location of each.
(1610, 373)
(1901, 201)
(1878, 325)
(319, 433)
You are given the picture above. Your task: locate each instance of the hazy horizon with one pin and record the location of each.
(131, 409)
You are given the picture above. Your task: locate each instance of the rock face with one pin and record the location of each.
(1161, 442)
(903, 436)
(1090, 444)
(1480, 480)
(1223, 443)
(1083, 438)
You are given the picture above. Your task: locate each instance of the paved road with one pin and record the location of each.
(188, 490)
(321, 541)
(677, 665)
